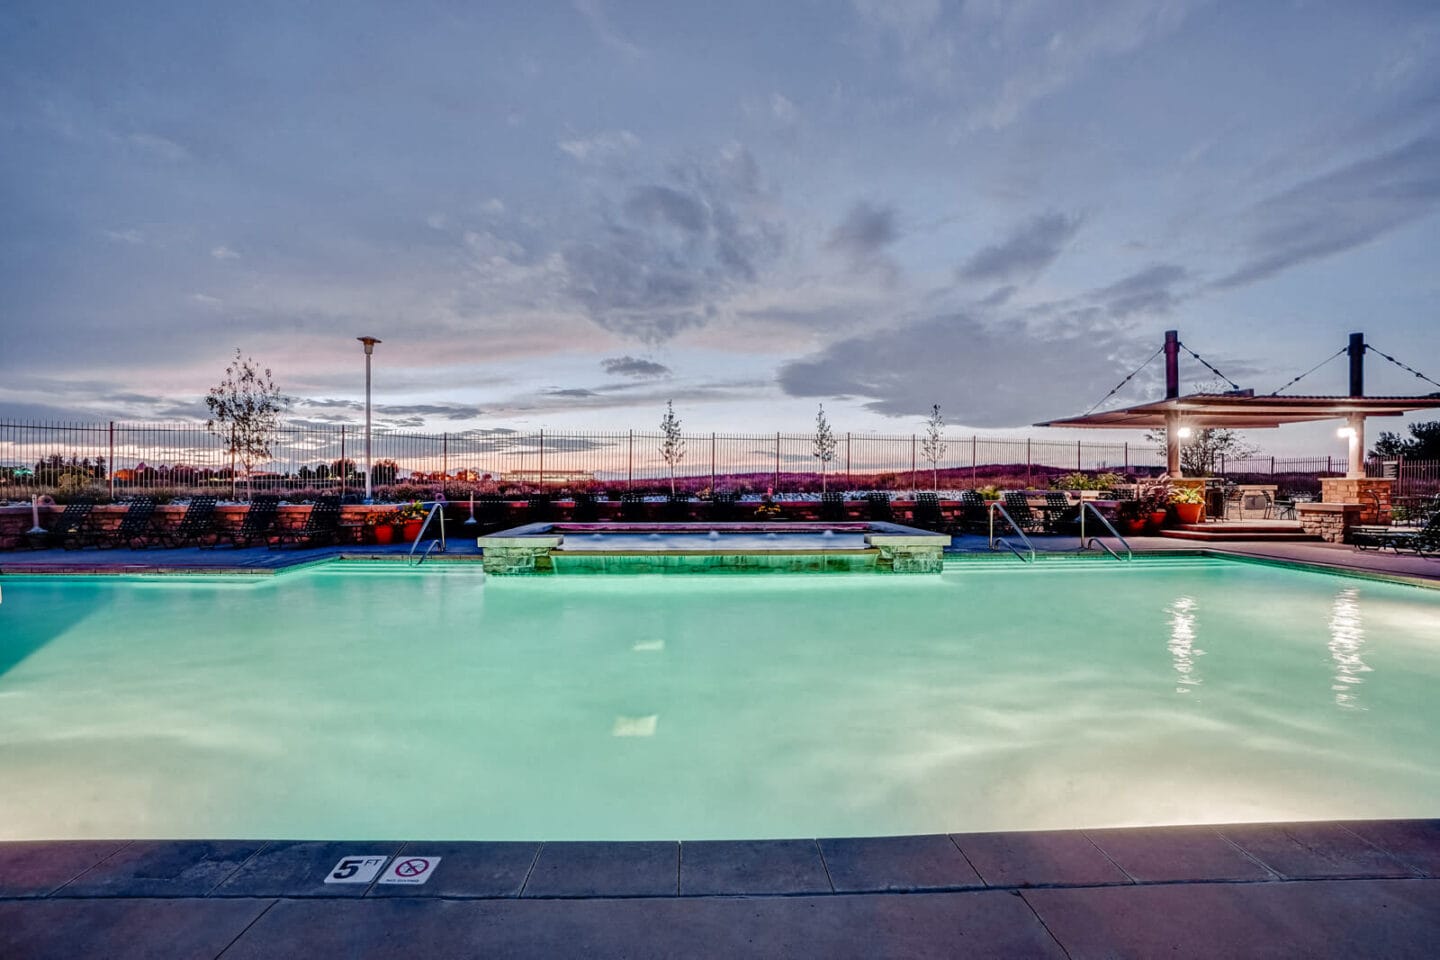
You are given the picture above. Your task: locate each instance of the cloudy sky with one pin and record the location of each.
(562, 214)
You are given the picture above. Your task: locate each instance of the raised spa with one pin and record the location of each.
(544, 548)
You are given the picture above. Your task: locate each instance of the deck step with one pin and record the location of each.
(1249, 534)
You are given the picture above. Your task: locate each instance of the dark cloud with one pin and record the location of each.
(628, 366)
(660, 261)
(953, 360)
(1151, 290)
(1025, 253)
(574, 392)
(865, 231)
(1341, 210)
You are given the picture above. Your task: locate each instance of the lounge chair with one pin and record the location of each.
(832, 507)
(586, 510)
(321, 526)
(722, 506)
(879, 504)
(258, 523)
(1424, 541)
(539, 509)
(70, 529)
(1018, 506)
(974, 514)
(492, 511)
(632, 508)
(1059, 511)
(134, 527)
(677, 507)
(927, 514)
(197, 523)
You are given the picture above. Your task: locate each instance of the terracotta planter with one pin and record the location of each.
(1157, 519)
(1134, 527)
(1189, 512)
(411, 529)
(382, 533)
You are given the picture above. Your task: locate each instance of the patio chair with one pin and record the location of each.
(69, 529)
(880, 510)
(1233, 501)
(1422, 541)
(1058, 511)
(321, 526)
(677, 507)
(974, 514)
(723, 507)
(1018, 506)
(257, 524)
(492, 511)
(632, 508)
(832, 507)
(134, 527)
(927, 514)
(197, 523)
(539, 508)
(586, 510)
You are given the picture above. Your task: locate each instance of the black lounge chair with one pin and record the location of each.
(586, 510)
(677, 507)
(258, 524)
(974, 514)
(492, 511)
(723, 507)
(1018, 506)
(879, 504)
(1059, 511)
(539, 509)
(832, 507)
(927, 514)
(1422, 541)
(632, 508)
(197, 523)
(70, 529)
(134, 527)
(321, 526)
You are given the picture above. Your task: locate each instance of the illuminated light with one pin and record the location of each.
(1346, 432)
(1184, 433)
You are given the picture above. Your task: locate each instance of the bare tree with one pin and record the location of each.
(1207, 448)
(672, 447)
(932, 446)
(245, 410)
(824, 444)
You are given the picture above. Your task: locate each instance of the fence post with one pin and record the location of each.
(1127, 457)
(1077, 456)
(444, 459)
(540, 476)
(848, 482)
(974, 466)
(343, 471)
(1222, 463)
(1028, 458)
(777, 461)
(1329, 464)
(913, 444)
(712, 466)
(1272, 465)
(630, 464)
(110, 464)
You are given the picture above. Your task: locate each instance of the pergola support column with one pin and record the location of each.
(1172, 443)
(1357, 446)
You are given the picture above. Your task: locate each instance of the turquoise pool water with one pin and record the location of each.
(353, 701)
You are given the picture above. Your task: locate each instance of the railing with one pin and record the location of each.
(1096, 541)
(438, 506)
(996, 507)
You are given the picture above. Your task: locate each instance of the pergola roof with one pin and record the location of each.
(1243, 410)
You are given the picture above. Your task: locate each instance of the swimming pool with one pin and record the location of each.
(355, 700)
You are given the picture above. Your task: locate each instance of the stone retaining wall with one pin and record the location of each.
(1330, 522)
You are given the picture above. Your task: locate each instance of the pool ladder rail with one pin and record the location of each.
(411, 559)
(997, 507)
(1096, 541)
(1085, 543)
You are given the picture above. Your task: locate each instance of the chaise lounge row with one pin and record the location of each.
(78, 526)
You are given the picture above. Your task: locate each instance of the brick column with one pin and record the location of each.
(1371, 493)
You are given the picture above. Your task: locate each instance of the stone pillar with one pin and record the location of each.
(1371, 493)
(1330, 522)
(1355, 434)
(1172, 443)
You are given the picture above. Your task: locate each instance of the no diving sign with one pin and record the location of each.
(411, 870)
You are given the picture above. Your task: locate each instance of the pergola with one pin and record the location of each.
(1242, 410)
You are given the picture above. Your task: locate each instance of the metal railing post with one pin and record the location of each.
(444, 459)
(777, 462)
(712, 464)
(914, 443)
(630, 464)
(848, 481)
(974, 464)
(110, 464)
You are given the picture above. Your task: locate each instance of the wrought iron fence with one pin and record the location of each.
(1413, 478)
(126, 456)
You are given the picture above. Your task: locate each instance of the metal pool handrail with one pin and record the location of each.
(410, 557)
(995, 505)
(1096, 541)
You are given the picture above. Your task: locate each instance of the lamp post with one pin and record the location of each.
(369, 343)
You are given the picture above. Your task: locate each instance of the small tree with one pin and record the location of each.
(672, 446)
(245, 410)
(1424, 443)
(932, 446)
(824, 444)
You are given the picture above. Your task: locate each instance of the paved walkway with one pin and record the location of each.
(1367, 888)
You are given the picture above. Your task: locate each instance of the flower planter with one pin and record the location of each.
(382, 533)
(410, 530)
(1157, 519)
(1189, 512)
(1135, 527)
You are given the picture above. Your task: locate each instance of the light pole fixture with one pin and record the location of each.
(369, 343)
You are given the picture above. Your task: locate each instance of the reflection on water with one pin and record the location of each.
(1347, 640)
(1182, 644)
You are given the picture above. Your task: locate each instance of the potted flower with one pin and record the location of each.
(1133, 515)
(1189, 503)
(1156, 503)
(379, 526)
(409, 520)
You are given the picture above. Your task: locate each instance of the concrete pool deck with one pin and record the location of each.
(1359, 888)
